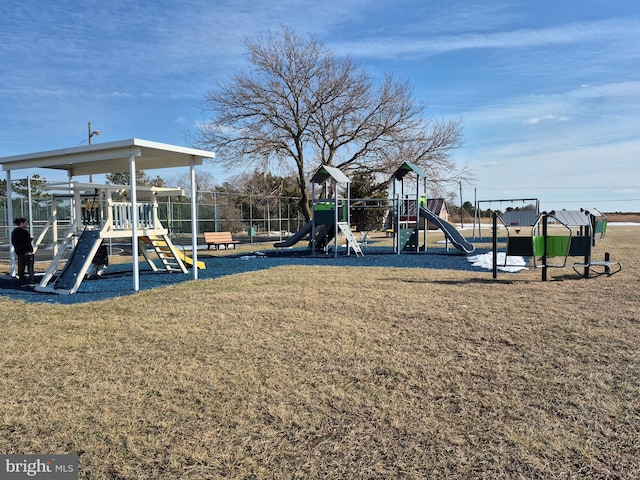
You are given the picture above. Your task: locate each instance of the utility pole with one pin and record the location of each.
(461, 209)
(91, 133)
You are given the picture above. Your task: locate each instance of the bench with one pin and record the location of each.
(217, 239)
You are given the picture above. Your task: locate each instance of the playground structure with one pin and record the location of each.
(411, 215)
(331, 214)
(130, 219)
(102, 213)
(553, 238)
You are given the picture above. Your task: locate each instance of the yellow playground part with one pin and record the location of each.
(173, 258)
(189, 261)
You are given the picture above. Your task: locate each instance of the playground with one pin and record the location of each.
(102, 216)
(401, 358)
(319, 370)
(246, 258)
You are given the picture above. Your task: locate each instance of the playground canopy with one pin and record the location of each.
(111, 157)
(406, 168)
(325, 173)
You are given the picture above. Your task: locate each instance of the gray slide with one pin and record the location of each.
(449, 230)
(295, 238)
(78, 262)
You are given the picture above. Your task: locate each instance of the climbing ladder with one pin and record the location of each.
(166, 251)
(351, 240)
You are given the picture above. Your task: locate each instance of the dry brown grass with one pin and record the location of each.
(326, 372)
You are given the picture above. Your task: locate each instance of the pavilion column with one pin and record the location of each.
(194, 219)
(134, 223)
(12, 253)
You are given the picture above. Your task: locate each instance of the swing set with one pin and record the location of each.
(518, 215)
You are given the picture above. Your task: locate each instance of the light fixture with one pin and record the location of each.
(92, 133)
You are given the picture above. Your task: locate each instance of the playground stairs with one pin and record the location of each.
(351, 240)
(166, 252)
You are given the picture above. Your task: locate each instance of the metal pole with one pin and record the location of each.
(12, 253)
(30, 206)
(495, 245)
(215, 211)
(268, 202)
(251, 215)
(90, 142)
(313, 219)
(335, 219)
(461, 210)
(545, 219)
(280, 216)
(426, 221)
(134, 223)
(194, 220)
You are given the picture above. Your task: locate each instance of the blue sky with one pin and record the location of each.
(549, 92)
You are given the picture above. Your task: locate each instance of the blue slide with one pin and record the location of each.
(449, 230)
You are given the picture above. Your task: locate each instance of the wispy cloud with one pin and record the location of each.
(573, 33)
(547, 117)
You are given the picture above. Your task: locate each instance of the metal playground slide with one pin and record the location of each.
(449, 230)
(295, 238)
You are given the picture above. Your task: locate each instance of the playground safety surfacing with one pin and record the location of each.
(118, 278)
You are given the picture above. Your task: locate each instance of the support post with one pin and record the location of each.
(545, 220)
(335, 220)
(495, 245)
(194, 220)
(12, 252)
(134, 223)
(30, 206)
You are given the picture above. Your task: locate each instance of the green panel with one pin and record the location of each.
(408, 239)
(601, 227)
(324, 213)
(557, 246)
(323, 206)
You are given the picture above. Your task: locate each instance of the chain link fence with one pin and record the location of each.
(254, 216)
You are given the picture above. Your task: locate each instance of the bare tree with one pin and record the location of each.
(142, 179)
(205, 184)
(299, 106)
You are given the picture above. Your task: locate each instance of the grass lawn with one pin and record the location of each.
(308, 372)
